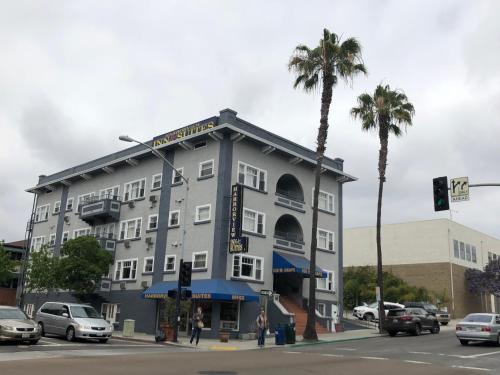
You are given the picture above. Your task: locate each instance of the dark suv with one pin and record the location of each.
(412, 320)
(443, 317)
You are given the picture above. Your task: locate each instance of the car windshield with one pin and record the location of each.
(476, 318)
(393, 312)
(430, 307)
(12, 314)
(373, 305)
(84, 312)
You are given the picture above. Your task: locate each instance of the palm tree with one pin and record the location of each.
(387, 112)
(316, 68)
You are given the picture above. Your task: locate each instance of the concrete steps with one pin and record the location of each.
(300, 316)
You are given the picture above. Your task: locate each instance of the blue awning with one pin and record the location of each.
(290, 263)
(212, 289)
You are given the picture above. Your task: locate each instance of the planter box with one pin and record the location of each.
(224, 336)
(168, 330)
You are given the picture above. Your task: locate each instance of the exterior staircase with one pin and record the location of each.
(300, 316)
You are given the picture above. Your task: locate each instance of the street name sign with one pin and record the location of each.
(459, 188)
(265, 292)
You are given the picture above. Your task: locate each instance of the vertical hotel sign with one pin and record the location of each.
(237, 243)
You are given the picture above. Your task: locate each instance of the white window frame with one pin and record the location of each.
(82, 197)
(72, 200)
(193, 257)
(110, 192)
(57, 207)
(329, 234)
(329, 196)
(323, 314)
(254, 267)
(200, 168)
(119, 269)
(155, 179)
(149, 222)
(174, 173)
(63, 241)
(37, 243)
(170, 214)
(127, 190)
(256, 223)
(137, 226)
(145, 263)
(197, 212)
(87, 232)
(330, 278)
(167, 257)
(42, 213)
(258, 179)
(52, 240)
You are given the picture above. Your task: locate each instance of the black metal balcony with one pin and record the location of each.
(100, 210)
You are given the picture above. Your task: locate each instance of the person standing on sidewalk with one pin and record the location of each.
(261, 328)
(197, 325)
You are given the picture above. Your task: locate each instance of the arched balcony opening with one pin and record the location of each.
(289, 187)
(288, 228)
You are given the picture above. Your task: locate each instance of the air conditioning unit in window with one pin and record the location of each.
(123, 285)
(149, 240)
(66, 219)
(144, 285)
(131, 204)
(127, 243)
(153, 198)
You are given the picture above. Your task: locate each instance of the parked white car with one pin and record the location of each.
(370, 312)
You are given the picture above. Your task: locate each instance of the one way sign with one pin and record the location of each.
(459, 188)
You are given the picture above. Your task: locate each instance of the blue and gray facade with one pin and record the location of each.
(134, 204)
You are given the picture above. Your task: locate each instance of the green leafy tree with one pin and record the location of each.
(82, 264)
(315, 68)
(387, 112)
(41, 272)
(7, 265)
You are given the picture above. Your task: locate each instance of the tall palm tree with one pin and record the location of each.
(321, 68)
(388, 112)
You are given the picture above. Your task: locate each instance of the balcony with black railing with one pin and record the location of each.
(288, 234)
(100, 210)
(289, 193)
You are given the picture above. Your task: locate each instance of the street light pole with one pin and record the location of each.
(160, 155)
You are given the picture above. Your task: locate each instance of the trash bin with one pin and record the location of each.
(279, 335)
(290, 333)
(128, 328)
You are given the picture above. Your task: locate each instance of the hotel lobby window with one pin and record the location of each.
(229, 312)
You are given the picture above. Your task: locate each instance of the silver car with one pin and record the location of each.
(73, 321)
(16, 326)
(479, 327)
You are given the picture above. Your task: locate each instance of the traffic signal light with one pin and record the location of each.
(185, 274)
(440, 187)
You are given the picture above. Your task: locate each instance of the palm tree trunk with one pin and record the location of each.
(382, 164)
(326, 99)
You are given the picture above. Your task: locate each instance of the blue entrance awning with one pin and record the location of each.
(212, 289)
(290, 263)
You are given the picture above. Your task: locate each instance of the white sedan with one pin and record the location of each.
(370, 312)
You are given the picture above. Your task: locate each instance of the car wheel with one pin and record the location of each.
(418, 330)
(40, 328)
(435, 329)
(70, 334)
(392, 333)
(103, 341)
(444, 323)
(369, 317)
(464, 342)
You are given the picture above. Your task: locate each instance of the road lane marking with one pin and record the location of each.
(293, 352)
(347, 349)
(480, 355)
(333, 355)
(425, 353)
(472, 368)
(376, 358)
(417, 362)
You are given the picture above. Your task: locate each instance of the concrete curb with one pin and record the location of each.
(319, 342)
(165, 343)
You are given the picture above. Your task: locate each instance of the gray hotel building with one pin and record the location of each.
(132, 202)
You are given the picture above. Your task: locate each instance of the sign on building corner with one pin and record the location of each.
(237, 243)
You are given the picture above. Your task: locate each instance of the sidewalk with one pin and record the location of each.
(235, 344)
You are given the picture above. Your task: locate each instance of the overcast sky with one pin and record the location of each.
(76, 74)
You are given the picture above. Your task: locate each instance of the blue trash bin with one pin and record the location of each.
(279, 335)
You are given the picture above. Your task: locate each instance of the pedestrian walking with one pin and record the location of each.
(197, 325)
(261, 328)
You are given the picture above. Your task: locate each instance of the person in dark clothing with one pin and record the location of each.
(197, 325)
(261, 328)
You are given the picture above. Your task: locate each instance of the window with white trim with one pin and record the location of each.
(37, 243)
(57, 207)
(52, 240)
(109, 193)
(126, 269)
(248, 267)
(321, 307)
(81, 232)
(325, 201)
(174, 218)
(134, 189)
(462, 250)
(325, 239)
(206, 168)
(105, 230)
(82, 198)
(148, 264)
(200, 260)
(252, 176)
(177, 177)
(203, 213)
(456, 251)
(327, 283)
(65, 237)
(69, 204)
(156, 181)
(42, 213)
(152, 222)
(474, 254)
(130, 229)
(468, 255)
(254, 221)
(169, 263)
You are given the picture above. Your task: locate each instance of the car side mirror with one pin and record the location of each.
(66, 315)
